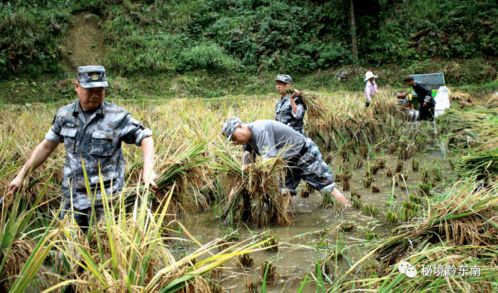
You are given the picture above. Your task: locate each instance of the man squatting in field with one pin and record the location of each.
(270, 139)
(92, 132)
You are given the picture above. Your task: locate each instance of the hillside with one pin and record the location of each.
(213, 48)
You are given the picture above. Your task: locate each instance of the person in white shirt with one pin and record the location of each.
(370, 87)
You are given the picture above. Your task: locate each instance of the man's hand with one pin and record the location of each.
(296, 93)
(149, 178)
(425, 104)
(247, 168)
(14, 186)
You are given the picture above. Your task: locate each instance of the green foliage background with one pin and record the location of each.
(297, 36)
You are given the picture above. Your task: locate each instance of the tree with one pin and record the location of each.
(352, 22)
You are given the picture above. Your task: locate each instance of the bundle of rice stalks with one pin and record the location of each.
(492, 102)
(257, 188)
(314, 106)
(482, 164)
(185, 166)
(185, 170)
(463, 99)
(17, 256)
(462, 217)
(475, 127)
(439, 268)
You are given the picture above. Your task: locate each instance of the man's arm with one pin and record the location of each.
(147, 146)
(248, 157)
(297, 109)
(37, 158)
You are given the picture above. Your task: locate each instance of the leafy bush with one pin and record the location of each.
(297, 36)
(30, 38)
(206, 56)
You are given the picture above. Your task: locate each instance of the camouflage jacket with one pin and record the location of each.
(96, 141)
(283, 113)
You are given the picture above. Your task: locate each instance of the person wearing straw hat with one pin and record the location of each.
(269, 139)
(92, 132)
(370, 87)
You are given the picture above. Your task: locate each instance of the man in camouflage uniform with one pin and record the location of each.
(269, 139)
(92, 132)
(290, 109)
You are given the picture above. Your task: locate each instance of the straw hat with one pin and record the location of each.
(369, 75)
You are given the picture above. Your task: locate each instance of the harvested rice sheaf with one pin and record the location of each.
(463, 216)
(462, 99)
(185, 171)
(314, 104)
(482, 164)
(18, 255)
(258, 189)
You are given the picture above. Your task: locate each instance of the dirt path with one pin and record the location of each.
(85, 41)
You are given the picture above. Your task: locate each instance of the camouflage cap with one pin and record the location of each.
(285, 78)
(92, 76)
(229, 127)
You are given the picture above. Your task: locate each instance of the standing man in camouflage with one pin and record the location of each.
(92, 132)
(290, 109)
(304, 161)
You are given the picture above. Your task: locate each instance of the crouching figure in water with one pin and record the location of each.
(304, 161)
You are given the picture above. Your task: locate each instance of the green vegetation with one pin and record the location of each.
(230, 37)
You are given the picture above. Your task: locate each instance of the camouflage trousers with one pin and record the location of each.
(311, 168)
(83, 217)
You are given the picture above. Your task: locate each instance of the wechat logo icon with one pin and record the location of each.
(406, 268)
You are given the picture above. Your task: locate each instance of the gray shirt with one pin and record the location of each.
(271, 138)
(95, 141)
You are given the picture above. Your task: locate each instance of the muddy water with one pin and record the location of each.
(315, 232)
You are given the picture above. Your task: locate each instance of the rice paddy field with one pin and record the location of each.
(424, 215)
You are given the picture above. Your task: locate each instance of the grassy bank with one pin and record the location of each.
(202, 84)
